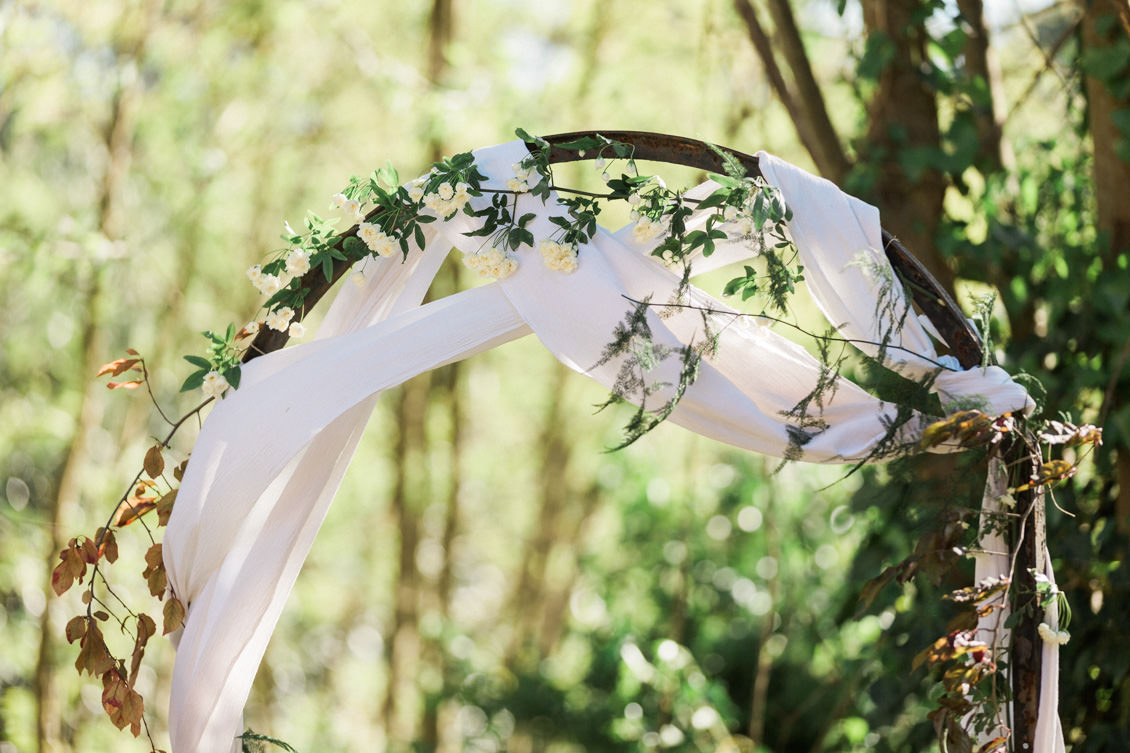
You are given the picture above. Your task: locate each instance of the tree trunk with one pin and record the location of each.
(802, 99)
(984, 71)
(1101, 30)
(903, 133)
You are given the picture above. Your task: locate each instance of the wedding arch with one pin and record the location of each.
(618, 307)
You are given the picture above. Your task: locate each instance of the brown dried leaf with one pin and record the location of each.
(93, 656)
(101, 616)
(89, 551)
(122, 703)
(76, 628)
(145, 629)
(131, 385)
(165, 507)
(154, 572)
(174, 615)
(178, 472)
(71, 567)
(154, 462)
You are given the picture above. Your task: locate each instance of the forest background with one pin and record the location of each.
(489, 578)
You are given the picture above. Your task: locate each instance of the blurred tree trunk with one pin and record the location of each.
(410, 489)
(984, 88)
(903, 131)
(528, 598)
(1106, 23)
(802, 99)
(119, 135)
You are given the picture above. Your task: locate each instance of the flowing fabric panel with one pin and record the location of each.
(271, 454)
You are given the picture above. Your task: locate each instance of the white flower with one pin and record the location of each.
(632, 169)
(339, 201)
(251, 328)
(517, 186)
(214, 384)
(647, 229)
(416, 188)
(634, 199)
(377, 241)
(599, 163)
(447, 200)
(522, 172)
(1050, 635)
(558, 256)
(279, 320)
(254, 273)
(269, 284)
(605, 177)
(492, 262)
(296, 330)
(633, 215)
(298, 263)
(730, 213)
(358, 278)
(352, 211)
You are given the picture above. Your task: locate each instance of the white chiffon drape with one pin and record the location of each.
(271, 455)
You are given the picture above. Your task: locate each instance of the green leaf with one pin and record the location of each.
(418, 233)
(328, 267)
(232, 375)
(354, 247)
(195, 379)
(388, 175)
(202, 363)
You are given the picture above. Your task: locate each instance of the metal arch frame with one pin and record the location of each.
(926, 292)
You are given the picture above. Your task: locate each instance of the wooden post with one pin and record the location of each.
(1028, 539)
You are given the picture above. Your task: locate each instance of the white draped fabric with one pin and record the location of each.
(271, 455)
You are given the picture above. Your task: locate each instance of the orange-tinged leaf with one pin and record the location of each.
(76, 628)
(132, 352)
(130, 385)
(174, 615)
(154, 462)
(71, 567)
(133, 508)
(107, 545)
(117, 366)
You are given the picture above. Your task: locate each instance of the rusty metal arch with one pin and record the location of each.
(927, 293)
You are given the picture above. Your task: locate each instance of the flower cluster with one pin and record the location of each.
(520, 183)
(560, 257)
(214, 384)
(646, 229)
(351, 208)
(1050, 635)
(448, 199)
(377, 240)
(492, 262)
